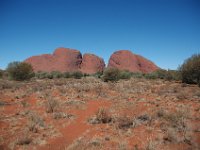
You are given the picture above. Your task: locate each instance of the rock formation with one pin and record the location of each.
(92, 63)
(67, 60)
(126, 60)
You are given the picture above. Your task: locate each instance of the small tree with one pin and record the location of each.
(111, 74)
(1, 73)
(20, 71)
(190, 70)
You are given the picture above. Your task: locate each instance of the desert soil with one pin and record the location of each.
(87, 113)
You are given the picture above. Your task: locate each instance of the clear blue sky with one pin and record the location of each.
(164, 31)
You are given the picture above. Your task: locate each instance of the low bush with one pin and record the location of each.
(42, 75)
(124, 122)
(66, 75)
(98, 74)
(111, 74)
(152, 75)
(49, 75)
(77, 75)
(164, 74)
(20, 71)
(103, 116)
(125, 74)
(56, 74)
(137, 75)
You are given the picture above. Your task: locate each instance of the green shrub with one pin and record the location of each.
(173, 75)
(98, 74)
(20, 71)
(66, 75)
(77, 75)
(86, 74)
(48, 75)
(56, 74)
(164, 74)
(42, 75)
(137, 75)
(190, 70)
(111, 74)
(161, 73)
(1, 73)
(125, 74)
(152, 75)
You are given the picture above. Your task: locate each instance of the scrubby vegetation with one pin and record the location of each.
(125, 74)
(1, 73)
(99, 114)
(20, 71)
(164, 74)
(77, 75)
(100, 111)
(111, 74)
(57, 75)
(190, 70)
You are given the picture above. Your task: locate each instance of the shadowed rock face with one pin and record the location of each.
(66, 60)
(126, 60)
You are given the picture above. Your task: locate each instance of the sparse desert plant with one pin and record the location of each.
(99, 89)
(124, 122)
(111, 74)
(59, 115)
(20, 71)
(95, 142)
(24, 140)
(34, 122)
(190, 70)
(51, 105)
(24, 103)
(151, 145)
(103, 116)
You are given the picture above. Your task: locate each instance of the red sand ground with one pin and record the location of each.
(146, 114)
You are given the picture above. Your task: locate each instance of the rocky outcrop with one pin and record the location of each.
(126, 60)
(91, 64)
(66, 60)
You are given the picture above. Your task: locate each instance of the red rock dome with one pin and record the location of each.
(67, 60)
(126, 60)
